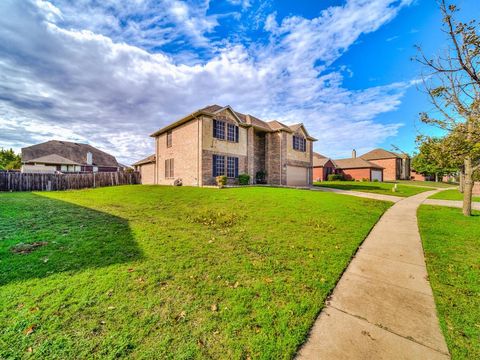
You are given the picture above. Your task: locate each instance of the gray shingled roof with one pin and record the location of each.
(75, 152)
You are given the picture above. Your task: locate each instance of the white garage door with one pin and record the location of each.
(297, 176)
(377, 175)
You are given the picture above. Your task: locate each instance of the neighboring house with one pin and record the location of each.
(218, 140)
(356, 168)
(322, 167)
(146, 168)
(419, 176)
(66, 157)
(396, 166)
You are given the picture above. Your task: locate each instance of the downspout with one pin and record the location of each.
(198, 151)
(281, 166)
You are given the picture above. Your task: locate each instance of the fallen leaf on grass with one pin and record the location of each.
(131, 270)
(111, 308)
(30, 329)
(214, 307)
(181, 316)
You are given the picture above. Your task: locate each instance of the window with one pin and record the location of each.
(219, 129)
(232, 133)
(169, 169)
(169, 138)
(232, 167)
(299, 143)
(218, 165)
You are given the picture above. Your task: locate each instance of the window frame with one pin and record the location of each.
(217, 126)
(232, 132)
(232, 167)
(299, 143)
(169, 168)
(216, 161)
(169, 138)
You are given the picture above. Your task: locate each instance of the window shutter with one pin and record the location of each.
(214, 169)
(236, 134)
(304, 144)
(215, 128)
(236, 164)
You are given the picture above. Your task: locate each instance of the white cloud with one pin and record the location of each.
(76, 83)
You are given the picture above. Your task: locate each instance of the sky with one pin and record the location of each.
(111, 72)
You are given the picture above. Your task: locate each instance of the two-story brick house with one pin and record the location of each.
(396, 166)
(218, 140)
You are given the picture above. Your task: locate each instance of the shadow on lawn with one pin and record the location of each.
(353, 187)
(65, 237)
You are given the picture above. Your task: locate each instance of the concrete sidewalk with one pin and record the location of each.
(382, 307)
(358, 194)
(450, 203)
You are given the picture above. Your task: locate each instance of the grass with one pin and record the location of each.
(373, 187)
(453, 194)
(439, 185)
(171, 272)
(451, 243)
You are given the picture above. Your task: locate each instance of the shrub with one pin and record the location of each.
(375, 180)
(334, 177)
(221, 181)
(365, 180)
(243, 179)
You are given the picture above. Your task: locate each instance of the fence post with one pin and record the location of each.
(94, 180)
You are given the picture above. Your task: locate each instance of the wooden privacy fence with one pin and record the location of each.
(10, 181)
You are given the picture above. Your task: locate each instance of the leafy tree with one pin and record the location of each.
(434, 157)
(452, 82)
(9, 160)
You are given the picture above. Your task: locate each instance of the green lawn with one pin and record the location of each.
(451, 195)
(434, 184)
(373, 187)
(171, 272)
(452, 248)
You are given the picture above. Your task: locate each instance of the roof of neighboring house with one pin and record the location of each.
(244, 120)
(320, 160)
(67, 151)
(378, 154)
(355, 163)
(147, 160)
(53, 159)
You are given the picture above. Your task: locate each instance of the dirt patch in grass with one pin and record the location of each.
(23, 248)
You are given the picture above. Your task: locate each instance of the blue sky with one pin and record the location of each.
(111, 72)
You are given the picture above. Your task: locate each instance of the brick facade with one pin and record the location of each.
(392, 168)
(259, 148)
(356, 174)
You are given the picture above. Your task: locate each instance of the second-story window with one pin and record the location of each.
(169, 138)
(219, 129)
(232, 132)
(299, 143)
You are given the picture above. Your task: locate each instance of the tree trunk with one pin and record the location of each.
(467, 187)
(436, 177)
(461, 182)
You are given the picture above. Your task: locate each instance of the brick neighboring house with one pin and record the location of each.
(355, 168)
(322, 167)
(146, 168)
(396, 166)
(66, 157)
(217, 140)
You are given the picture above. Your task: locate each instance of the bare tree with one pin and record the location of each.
(452, 82)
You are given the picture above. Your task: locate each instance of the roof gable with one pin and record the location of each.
(75, 152)
(378, 154)
(355, 163)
